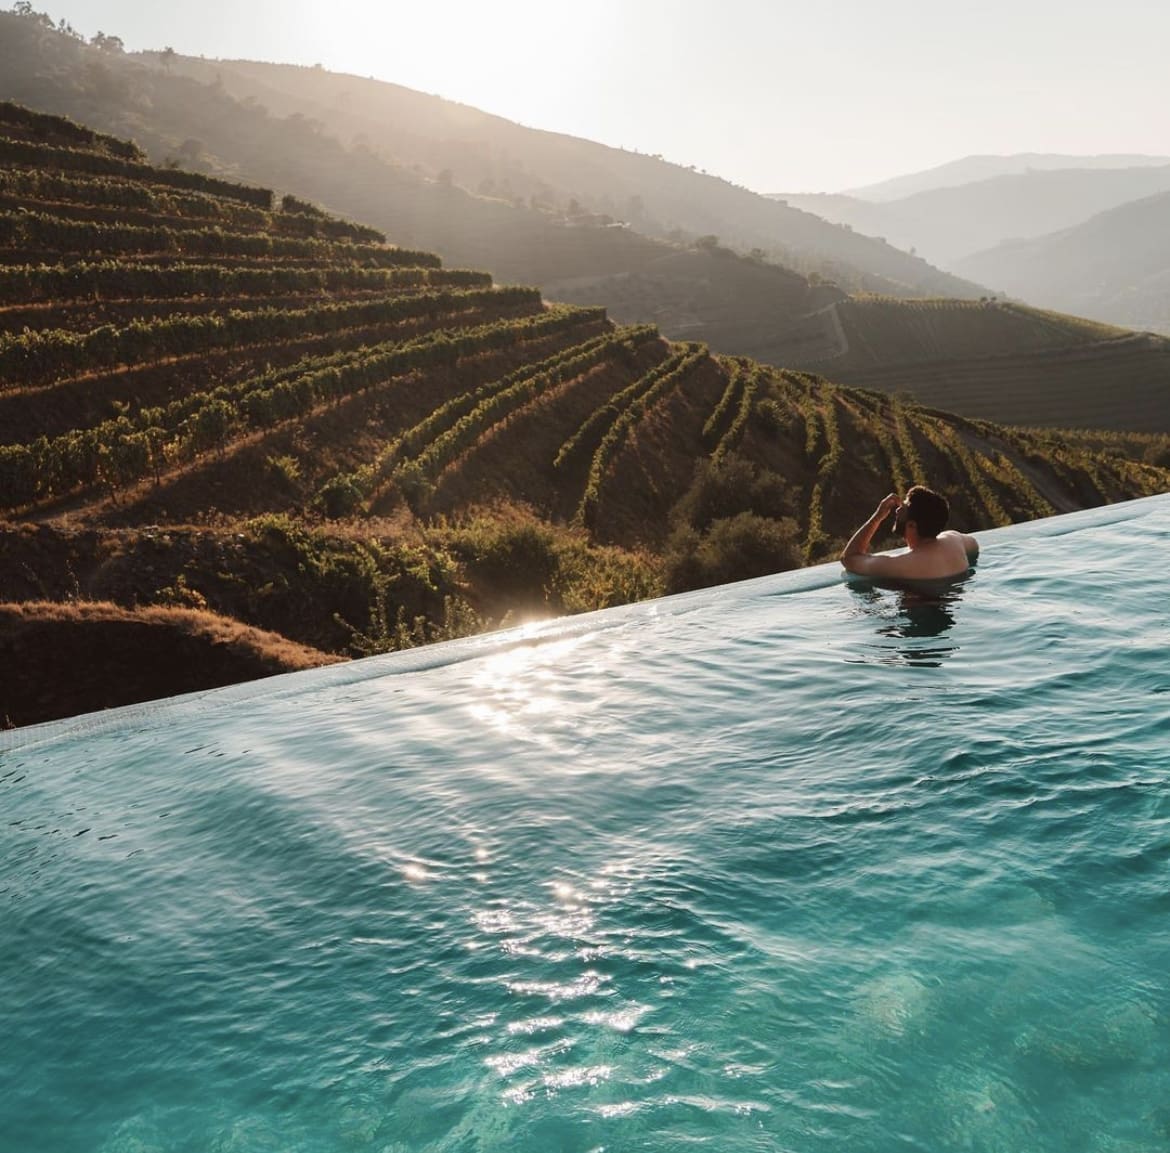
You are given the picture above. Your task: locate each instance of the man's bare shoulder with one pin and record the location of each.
(969, 543)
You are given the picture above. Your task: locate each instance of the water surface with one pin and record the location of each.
(787, 865)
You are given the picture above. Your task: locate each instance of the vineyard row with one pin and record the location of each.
(42, 156)
(38, 230)
(601, 417)
(127, 448)
(748, 379)
(115, 279)
(102, 199)
(470, 417)
(37, 357)
(124, 192)
(641, 396)
(44, 124)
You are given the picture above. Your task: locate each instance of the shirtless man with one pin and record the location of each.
(921, 518)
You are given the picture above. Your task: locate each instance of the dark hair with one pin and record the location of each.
(928, 510)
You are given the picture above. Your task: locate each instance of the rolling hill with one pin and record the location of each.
(946, 225)
(1003, 361)
(1115, 266)
(697, 289)
(235, 405)
(512, 197)
(494, 156)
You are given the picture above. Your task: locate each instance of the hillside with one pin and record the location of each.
(945, 225)
(373, 151)
(734, 303)
(215, 401)
(996, 360)
(1115, 266)
(495, 156)
(691, 288)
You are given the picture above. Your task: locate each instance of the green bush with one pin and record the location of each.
(770, 417)
(284, 469)
(733, 549)
(729, 487)
(339, 496)
(338, 593)
(517, 561)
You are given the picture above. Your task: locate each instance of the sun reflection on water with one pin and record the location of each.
(516, 685)
(566, 930)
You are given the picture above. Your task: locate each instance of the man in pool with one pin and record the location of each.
(920, 519)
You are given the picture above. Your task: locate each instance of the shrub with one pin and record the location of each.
(734, 548)
(284, 469)
(517, 561)
(339, 496)
(509, 564)
(182, 595)
(770, 417)
(599, 577)
(731, 486)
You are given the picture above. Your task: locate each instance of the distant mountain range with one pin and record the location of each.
(1074, 233)
(948, 224)
(970, 169)
(1115, 265)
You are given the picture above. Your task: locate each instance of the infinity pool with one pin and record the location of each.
(787, 865)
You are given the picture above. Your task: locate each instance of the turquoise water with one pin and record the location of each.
(787, 865)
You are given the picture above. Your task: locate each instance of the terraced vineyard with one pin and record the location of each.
(1004, 362)
(881, 330)
(237, 408)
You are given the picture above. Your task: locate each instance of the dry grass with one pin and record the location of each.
(211, 627)
(59, 659)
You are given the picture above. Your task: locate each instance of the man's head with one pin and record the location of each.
(927, 509)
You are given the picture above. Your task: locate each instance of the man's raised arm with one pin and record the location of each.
(855, 556)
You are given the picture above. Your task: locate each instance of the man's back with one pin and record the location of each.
(947, 555)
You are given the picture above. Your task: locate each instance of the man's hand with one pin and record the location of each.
(889, 504)
(860, 542)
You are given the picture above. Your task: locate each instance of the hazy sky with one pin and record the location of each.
(819, 95)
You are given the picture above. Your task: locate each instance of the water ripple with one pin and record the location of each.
(788, 865)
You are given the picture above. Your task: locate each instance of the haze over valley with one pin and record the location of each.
(1104, 216)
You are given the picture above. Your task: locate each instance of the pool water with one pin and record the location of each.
(785, 865)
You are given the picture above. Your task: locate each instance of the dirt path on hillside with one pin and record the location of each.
(839, 337)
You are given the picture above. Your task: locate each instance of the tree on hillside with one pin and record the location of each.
(108, 43)
(25, 9)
